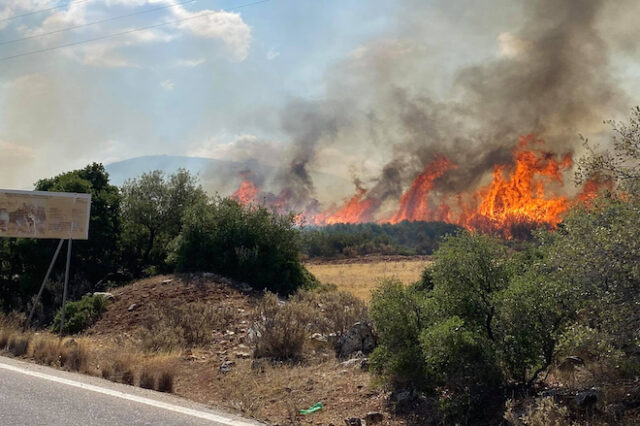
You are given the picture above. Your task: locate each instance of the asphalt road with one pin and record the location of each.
(35, 395)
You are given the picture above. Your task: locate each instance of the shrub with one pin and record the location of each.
(147, 377)
(80, 314)
(333, 311)
(5, 335)
(121, 371)
(165, 380)
(19, 344)
(46, 349)
(184, 326)
(538, 412)
(250, 244)
(399, 315)
(281, 328)
(74, 356)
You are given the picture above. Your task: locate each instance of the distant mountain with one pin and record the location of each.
(221, 176)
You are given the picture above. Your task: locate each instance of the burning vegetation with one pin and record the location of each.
(528, 192)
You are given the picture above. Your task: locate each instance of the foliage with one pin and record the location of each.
(23, 262)
(81, 314)
(344, 240)
(400, 315)
(621, 164)
(250, 244)
(153, 208)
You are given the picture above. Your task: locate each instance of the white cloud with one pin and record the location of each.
(190, 63)
(168, 85)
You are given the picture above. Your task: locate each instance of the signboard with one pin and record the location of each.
(35, 214)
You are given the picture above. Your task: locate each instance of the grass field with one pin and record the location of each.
(361, 278)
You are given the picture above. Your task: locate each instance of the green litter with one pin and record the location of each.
(312, 409)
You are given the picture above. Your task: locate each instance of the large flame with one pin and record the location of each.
(414, 203)
(520, 196)
(246, 193)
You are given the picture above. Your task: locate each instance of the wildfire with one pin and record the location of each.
(517, 195)
(414, 203)
(520, 196)
(247, 192)
(357, 209)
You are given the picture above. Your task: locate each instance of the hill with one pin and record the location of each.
(221, 176)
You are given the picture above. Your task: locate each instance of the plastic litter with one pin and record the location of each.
(312, 409)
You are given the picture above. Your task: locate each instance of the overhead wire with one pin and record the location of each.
(35, 12)
(102, 21)
(148, 27)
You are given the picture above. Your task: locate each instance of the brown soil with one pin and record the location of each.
(273, 393)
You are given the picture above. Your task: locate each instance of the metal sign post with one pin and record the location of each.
(42, 215)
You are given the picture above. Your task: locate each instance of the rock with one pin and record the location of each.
(132, 307)
(354, 421)
(108, 296)
(318, 337)
(373, 417)
(242, 355)
(166, 281)
(360, 337)
(362, 363)
(401, 401)
(226, 366)
(586, 398)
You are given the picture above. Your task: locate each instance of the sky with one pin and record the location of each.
(240, 79)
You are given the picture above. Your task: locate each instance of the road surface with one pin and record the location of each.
(35, 395)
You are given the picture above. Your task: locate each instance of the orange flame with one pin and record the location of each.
(246, 193)
(518, 195)
(355, 210)
(413, 204)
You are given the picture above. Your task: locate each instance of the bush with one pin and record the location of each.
(74, 356)
(80, 314)
(249, 244)
(281, 328)
(46, 350)
(19, 344)
(165, 380)
(399, 315)
(147, 377)
(334, 312)
(184, 326)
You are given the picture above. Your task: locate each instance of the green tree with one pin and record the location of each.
(153, 208)
(251, 244)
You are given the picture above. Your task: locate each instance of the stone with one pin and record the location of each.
(360, 337)
(226, 366)
(242, 355)
(108, 296)
(132, 307)
(362, 363)
(373, 417)
(167, 281)
(586, 398)
(354, 421)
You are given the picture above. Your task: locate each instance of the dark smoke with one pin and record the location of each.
(555, 82)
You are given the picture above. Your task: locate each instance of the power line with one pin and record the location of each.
(102, 21)
(43, 10)
(149, 27)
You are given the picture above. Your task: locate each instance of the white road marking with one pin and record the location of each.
(135, 398)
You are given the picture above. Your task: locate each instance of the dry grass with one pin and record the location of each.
(46, 349)
(74, 356)
(19, 344)
(360, 279)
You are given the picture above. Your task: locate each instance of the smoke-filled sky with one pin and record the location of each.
(373, 89)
